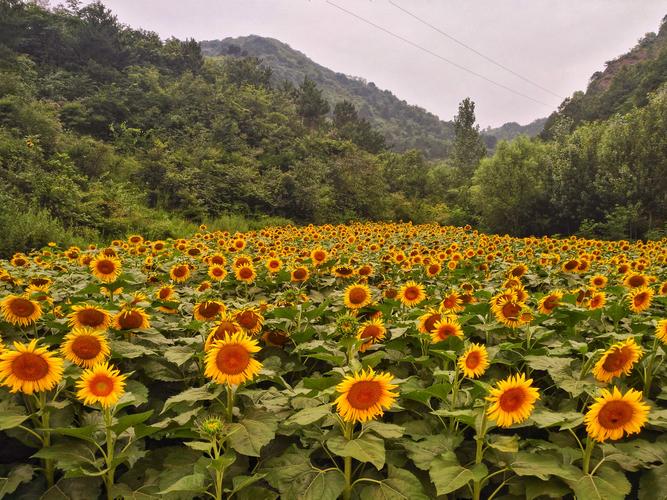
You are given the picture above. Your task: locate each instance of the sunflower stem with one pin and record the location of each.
(648, 369)
(455, 394)
(49, 465)
(347, 492)
(479, 453)
(230, 403)
(590, 445)
(111, 445)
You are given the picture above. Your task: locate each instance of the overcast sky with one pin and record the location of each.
(555, 43)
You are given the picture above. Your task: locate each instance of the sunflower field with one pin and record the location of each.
(369, 360)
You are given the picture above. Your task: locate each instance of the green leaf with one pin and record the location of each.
(401, 485)
(652, 484)
(193, 395)
(127, 421)
(126, 350)
(542, 465)
(241, 482)
(507, 444)
(440, 391)
(178, 354)
(20, 474)
(536, 488)
(388, 431)
(544, 417)
(423, 452)
(448, 475)
(194, 483)
(135, 395)
(74, 488)
(367, 448)
(309, 415)
(320, 383)
(606, 484)
(11, 421)
(249, 435)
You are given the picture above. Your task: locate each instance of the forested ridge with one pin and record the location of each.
(105, 130)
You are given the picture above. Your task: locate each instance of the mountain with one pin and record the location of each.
(403, 126)
(626, 82)
(510, 130)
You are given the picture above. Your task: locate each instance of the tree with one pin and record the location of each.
(312, 107)
(468, 148)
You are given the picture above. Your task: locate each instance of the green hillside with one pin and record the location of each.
(403, 126)
(510, 130)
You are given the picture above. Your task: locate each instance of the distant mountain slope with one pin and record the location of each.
(404, 126)
(510, 130)
(625, 83)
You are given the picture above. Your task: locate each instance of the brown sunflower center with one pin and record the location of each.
(358, 296)
(101, 385)
(550, 302)
(247, 319)
(433, 269)
(371, 331)
(640, 299)
(446, 330)
(209, 309)
(512, 399)
(411, 293)
(165, 293)
(22, 308)
(245, 273)
(364, 394)
(344, 271)
(430, 322)
(300, 273)
(224, 328)
(86, 346)
(636, 281)
(319, 255)
(130, 319)
(617, 359)
(90, 317)
(106, 266)
(615, 414)
(218, 271)
(30, 366)
(232, 359)
(180, 271)
(473, 359)
(511, 310)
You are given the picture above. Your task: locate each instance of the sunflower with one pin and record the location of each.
(105, 268)
(208, 310)
(20, 310)
(343, 271)
(371, 332)
(276, 338)
(614, 414)
(131, 318)
(548, 303)
(428, 320)
(250, 319)
(89, 316)
(661, 330)
(452, 302)
(445, 328)
(227, 326)
(245, 273)
(217, 272)
(357, 296)
(510, 313)
(274, 264)
(318, 256)
(598, 300)
(636, 281)
(512, 400)
(166, 293)
(411, 294)
(598, 281)
(101, 384)
(85, 347)
(640, 299)
(29, 368)
(179, 273)
(365, 395)
(230, 360)
(618, 359)
(433, 269)
(474, 361)
(299, 275)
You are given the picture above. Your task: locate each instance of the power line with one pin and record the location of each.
(434, 54)
(463, 44)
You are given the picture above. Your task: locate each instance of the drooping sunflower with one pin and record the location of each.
(30, 368)
(365, 395)
(661, 331)
(208, 310)
(105, 268)
(226, 327)
(371, 332)
(411, 294)
(614, 414)
(131, 318)
(217, 272)
(474, 361)
(85, 347)
(512, 400)
(357, 296)
(447, 327)
(245, 273)
(19, 310)
(548, 303)
(230, 360)
(427, 321)
(640, 299)
(179, 273)
(250, 319)
(89, 316)
(343, 271)
(101, 384)
(617, 360)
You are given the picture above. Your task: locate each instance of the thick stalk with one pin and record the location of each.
(586, 464)
(230, 403)
(479, 455)
(49, 466)
(648, 370)
(455, 394)
(347, 492)
(111, 445)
